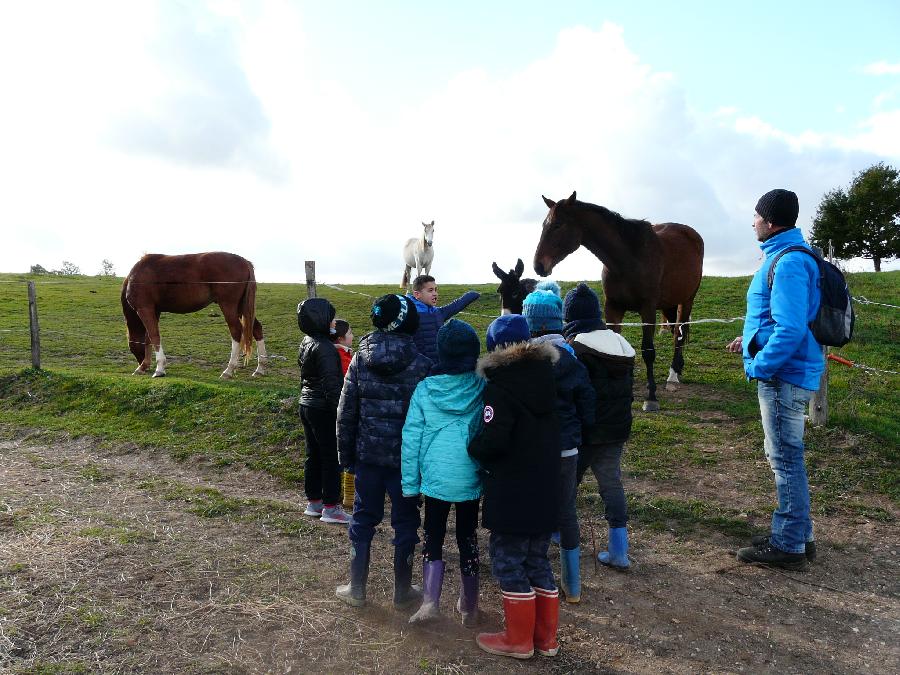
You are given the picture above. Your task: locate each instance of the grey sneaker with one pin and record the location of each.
(335, 514)
(313, 508)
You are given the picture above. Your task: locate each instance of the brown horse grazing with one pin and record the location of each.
(513, 288)
(188, 283)
(645, 267)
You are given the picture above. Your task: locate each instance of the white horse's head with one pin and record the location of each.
(429, 233)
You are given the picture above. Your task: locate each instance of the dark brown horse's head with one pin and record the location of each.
(513, 288)
(560, 235)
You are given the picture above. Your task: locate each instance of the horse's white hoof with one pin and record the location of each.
(672, 386)
(159, 374)
(651, 406)
(225, 375)
(258, 373)
(139, 371)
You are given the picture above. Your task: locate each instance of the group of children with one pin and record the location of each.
(418, 416)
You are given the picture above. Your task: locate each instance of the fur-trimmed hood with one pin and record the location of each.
(520, 351)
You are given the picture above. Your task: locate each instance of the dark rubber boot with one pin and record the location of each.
(405, 594)
(354, 593)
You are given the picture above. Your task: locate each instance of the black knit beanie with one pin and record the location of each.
(395, 313)
(779, 207)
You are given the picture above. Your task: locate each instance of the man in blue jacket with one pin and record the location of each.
(781, 353)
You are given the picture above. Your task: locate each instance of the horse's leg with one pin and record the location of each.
(262, 356)
(404, 284)
(234, 327)
(681, 337)
(137, 343)
(648, 317)
(150, 317)
(614, 315)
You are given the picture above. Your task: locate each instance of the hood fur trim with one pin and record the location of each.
(521, 351)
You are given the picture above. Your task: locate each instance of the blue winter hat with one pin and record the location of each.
(582, 311)
(543, 309)
(458, 347)
(549, 285)
(507, 329)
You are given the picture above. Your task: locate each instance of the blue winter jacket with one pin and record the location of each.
(432, 318)
(777, 339)
(443, 418)
(575, 395)
(379, 383)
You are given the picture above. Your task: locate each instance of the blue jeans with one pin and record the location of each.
(782, 407)
(372, 483)
(519, 562)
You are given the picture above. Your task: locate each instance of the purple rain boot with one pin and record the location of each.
(432, 581)
(467, 605)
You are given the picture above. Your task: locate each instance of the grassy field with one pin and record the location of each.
(86, 386)
(176, 500)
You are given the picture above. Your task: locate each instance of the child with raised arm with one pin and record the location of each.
(432, 317)
(444, 415)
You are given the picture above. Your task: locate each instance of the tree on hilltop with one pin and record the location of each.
(864, 220)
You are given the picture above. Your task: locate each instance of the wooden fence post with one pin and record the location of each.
(310, 278)
(818, 404)
(35, 329)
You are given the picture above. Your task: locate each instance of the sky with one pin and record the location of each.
(329, 131)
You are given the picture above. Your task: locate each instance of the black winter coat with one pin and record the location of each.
(380, 382)
(321, 377)
(518, 445)
(575, 397)
(609, 359)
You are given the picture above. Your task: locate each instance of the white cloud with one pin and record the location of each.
(882, 68)
(214, 129)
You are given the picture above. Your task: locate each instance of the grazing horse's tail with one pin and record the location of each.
(134, 327)
(248, 316)
(405, 283)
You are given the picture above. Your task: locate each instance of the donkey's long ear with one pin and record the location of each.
(572, 198)
(520, 267)
(501, 275)
(549, 202)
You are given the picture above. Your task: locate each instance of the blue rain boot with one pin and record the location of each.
(617, 557)
(570, 573)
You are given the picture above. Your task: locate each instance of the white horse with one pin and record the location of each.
(419, 253)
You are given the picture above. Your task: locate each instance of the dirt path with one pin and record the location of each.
(123, 560)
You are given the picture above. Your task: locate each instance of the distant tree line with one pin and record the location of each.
(69, 269)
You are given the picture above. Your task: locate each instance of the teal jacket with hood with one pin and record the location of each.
(444, 415)
(777, 339)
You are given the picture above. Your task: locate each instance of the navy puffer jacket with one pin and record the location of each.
(379, 384)
(575, 396)
(432, 318)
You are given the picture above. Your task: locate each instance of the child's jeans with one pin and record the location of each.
(569, 533)
(372, 483)
(321, 471)
(605, 460)
(519, 562)
(436, 513)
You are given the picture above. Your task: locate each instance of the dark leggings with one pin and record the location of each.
(436, 513)
(321, 471)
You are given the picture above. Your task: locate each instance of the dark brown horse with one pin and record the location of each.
(188, 283)
(513, 288)
(645, 268)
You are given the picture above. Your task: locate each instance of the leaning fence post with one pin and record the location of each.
(310, 278)
(818, 404)
(35, 329)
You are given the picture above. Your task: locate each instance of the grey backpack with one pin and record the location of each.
(833, 325)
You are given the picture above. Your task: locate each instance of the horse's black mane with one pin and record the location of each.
(632, 230)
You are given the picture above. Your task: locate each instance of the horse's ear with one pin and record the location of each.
(572, 198)
(501, 275)
(549, 202)
(520, 267)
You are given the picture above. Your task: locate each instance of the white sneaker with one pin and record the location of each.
(335, 514)
(313, 508)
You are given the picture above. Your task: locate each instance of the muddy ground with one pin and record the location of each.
(118, 559)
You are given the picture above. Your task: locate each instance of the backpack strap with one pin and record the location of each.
(789, 249)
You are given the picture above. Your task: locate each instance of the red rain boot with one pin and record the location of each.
(517, 640)
(546, 621)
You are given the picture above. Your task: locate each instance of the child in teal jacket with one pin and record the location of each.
(444, 415)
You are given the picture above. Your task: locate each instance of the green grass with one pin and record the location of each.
(86, 387)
